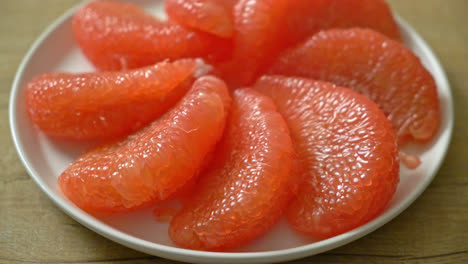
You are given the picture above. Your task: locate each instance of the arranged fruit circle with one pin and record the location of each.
(244, 111)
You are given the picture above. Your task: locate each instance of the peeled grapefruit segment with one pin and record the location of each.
(117, 36)
(106, 104)
(247, 187)
(264, 28)
(380, 68)
(348, 148)
(155, 162)
(212, 16)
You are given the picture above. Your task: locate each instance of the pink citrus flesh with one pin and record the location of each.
(211, 16)
(382, 69)
(248, 185)
(105, 105)
(155, 162)
(348, 150)
(264, 28)
(116, 36)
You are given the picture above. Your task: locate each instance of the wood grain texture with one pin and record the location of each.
(432, 230)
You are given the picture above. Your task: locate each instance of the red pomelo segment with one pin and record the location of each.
(382, 69)
(260, 34)
(347, 146)
(156, 161)
(263, 28)
(212, 16)
(313, 16)
(249, 184)
(118, 36)
(106, 104)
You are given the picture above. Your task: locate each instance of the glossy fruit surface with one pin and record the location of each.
(105, 105)
(264, 28)
(382, 69)
(249, 184)
(212, 16)
(348, 149)
(117, 36)
(155, 162)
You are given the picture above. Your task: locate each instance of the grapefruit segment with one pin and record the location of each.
(348, 148)
(117, 36)
(263, 28)
(247, 187)
(106, 104)
(151, 164)
(380, 68)
(212, 16)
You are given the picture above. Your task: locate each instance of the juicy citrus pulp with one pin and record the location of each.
(348, 149)
(211, 16)
(156, 161)
(117, 36)
(104, 105)
(249, 184)
(382, 69)
(264, 28)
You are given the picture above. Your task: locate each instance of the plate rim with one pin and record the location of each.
(182, 254)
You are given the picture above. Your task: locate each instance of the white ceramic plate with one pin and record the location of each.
(45, 159)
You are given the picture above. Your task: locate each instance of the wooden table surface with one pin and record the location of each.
(432, 230)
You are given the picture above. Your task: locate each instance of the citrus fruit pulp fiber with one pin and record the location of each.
(264, 28)
(156, 161)
(117, 36)
(211, 16)
(370, 63)
(105, 105)
(348, 150)
(249, 183)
